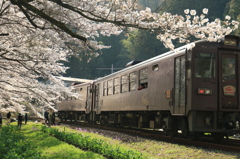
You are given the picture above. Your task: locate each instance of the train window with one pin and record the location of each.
(133, 81)
(116, 86)
(155, 67)
(124, 86)
(104, 88)
(143, 78)
(205, 64)
(110, 87)
(228, 67)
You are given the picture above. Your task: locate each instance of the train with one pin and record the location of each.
(193, 90)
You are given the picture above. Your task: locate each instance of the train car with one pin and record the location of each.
(76, 108)
(192, 89)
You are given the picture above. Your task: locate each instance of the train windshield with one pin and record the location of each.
(205, 65)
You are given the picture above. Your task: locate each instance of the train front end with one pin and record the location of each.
(213, 87)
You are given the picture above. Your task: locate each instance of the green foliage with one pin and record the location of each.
(93, 144)
(141, 45)
(87, 65)
(102, 65)
(14, 145)
(216, 8)
(78, 64)
(232, 9)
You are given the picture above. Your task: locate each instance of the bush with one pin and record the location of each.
(92, 144)
(14, 145)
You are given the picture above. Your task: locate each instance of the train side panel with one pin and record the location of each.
(156, 96)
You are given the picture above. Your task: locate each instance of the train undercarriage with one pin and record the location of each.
(217, 125)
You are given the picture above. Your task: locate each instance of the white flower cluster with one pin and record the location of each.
(90, 18)
(116, 15)
(199, 26)
(27, 55)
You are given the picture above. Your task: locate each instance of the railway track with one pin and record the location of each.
(229, 145)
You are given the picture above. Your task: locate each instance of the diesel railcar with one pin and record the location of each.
(192, 89)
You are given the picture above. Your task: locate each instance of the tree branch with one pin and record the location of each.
(55, 22)
(28, 17)
(99, 18)
(4, 34)
(3, 10)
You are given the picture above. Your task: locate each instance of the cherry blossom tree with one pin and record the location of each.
(24, 62)
(36, 34)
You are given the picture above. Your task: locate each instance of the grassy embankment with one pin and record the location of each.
(50, 147)
(46, 146)
(152, 149)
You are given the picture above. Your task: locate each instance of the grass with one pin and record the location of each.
(50, 147)
(159, 149)
(153, 149)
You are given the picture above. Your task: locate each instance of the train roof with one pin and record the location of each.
(175, 51)
(74, 81)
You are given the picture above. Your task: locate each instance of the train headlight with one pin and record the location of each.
(205, 91)
(208, 91)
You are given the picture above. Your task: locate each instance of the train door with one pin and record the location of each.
(179, 86)
(97, 99)
(228, 82)
(89, 100)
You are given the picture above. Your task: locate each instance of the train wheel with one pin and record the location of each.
(93, 122)
(171, 132)
(191, 136)
(164, 128)
(104, 121)
(194, 136)
(61, 119)
(218, 137)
